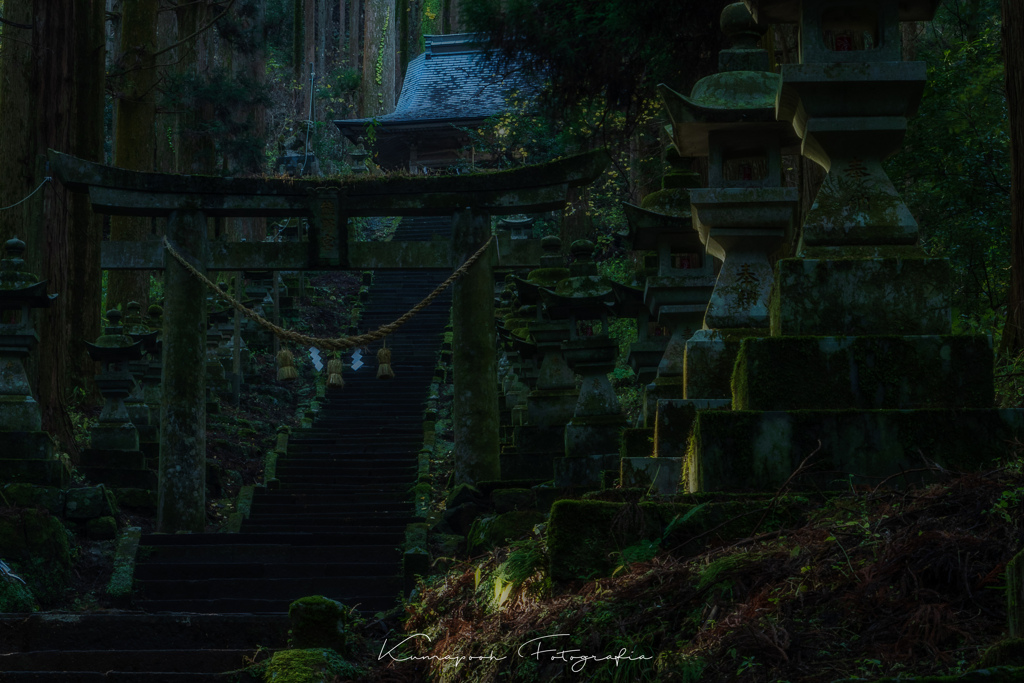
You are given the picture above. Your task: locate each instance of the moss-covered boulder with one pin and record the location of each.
(488, 532)
(35, 544)
(319, 622)
(309, 666)
(1009, 652)
(89, 502)
(16, 597)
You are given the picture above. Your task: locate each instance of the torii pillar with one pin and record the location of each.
(181, 488)
(475, 414)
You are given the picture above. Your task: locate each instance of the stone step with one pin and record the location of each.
(216, 569)
(262, 508)
(366, 604)
(179, 661)
(348, 520)
(280, 497)
(134, 630)
(340, 588)
(127, 677)
(297, 539)
(270, 553)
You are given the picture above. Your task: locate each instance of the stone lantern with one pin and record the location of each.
(849, 98)
(520, 227)
(745, 214)
(114, 456)
(29, 453)
(138, 410)
(115, 350)
(552, 400)
(20, 292)
(592, 436)
(676, 297)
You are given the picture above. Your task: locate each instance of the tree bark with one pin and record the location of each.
(342, 32)
(1013, 35)
(378, 86)
(87, 227)
(134, 137)
(309, 59)
(17, 111)
(196, 153)
(354, 28)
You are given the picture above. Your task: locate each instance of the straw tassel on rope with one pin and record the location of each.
(384, 370)
(286, 366)
(334, 378)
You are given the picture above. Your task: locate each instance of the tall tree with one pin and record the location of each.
(1013, 38)
(37, 100)
(134, 135)
(378, 85)
(86, 226)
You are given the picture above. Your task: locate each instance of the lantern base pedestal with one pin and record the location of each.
(861, 296)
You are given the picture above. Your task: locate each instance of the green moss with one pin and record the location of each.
(584, 535)
(637, 443)
(319, 622)
(870, 372)
(488, 532)
(16, 597)
(309, 666)
(1009, 652)
(750, 450)
(1002, 674)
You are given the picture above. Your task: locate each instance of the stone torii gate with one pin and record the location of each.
(327, 204)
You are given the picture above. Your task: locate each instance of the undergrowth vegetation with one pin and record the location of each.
(867, 584)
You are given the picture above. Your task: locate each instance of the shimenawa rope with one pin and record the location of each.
(337, 343)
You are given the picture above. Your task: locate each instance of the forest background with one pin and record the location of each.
(225, 87)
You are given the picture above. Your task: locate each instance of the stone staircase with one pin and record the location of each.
(332, 523)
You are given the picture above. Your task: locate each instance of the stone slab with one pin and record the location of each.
(44, 472)
(100, 457)
(758, 451)
(672, 426)
(515, 466)
(585, 436)
(584, 471)
(120, 477)
(831, 373)
(28, 445)
(534, 439)
(658, 475)
(708, 366)
(854, 296)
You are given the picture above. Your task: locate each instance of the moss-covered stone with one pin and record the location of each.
(854, 296)
(1009, 652)
(488, 532)
(89, 502)
(508, 500)
(673, 424)
(637, 443)
(35, 544)
(309, 666)
(656, 475)
(16, 597)
(1015, 595)
(708, 366)
(749, 450)
(30, 495)
(121, 579)
(1002, 674)
(139, 500)
(584, 535)
(876, 372)
(101, 528)
(319, 622)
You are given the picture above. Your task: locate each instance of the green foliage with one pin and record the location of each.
(221, 110)
(611, 51)
(954, 167)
